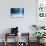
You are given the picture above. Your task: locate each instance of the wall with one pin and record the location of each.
(24, 24)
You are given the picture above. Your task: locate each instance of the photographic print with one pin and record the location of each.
(17, 12)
